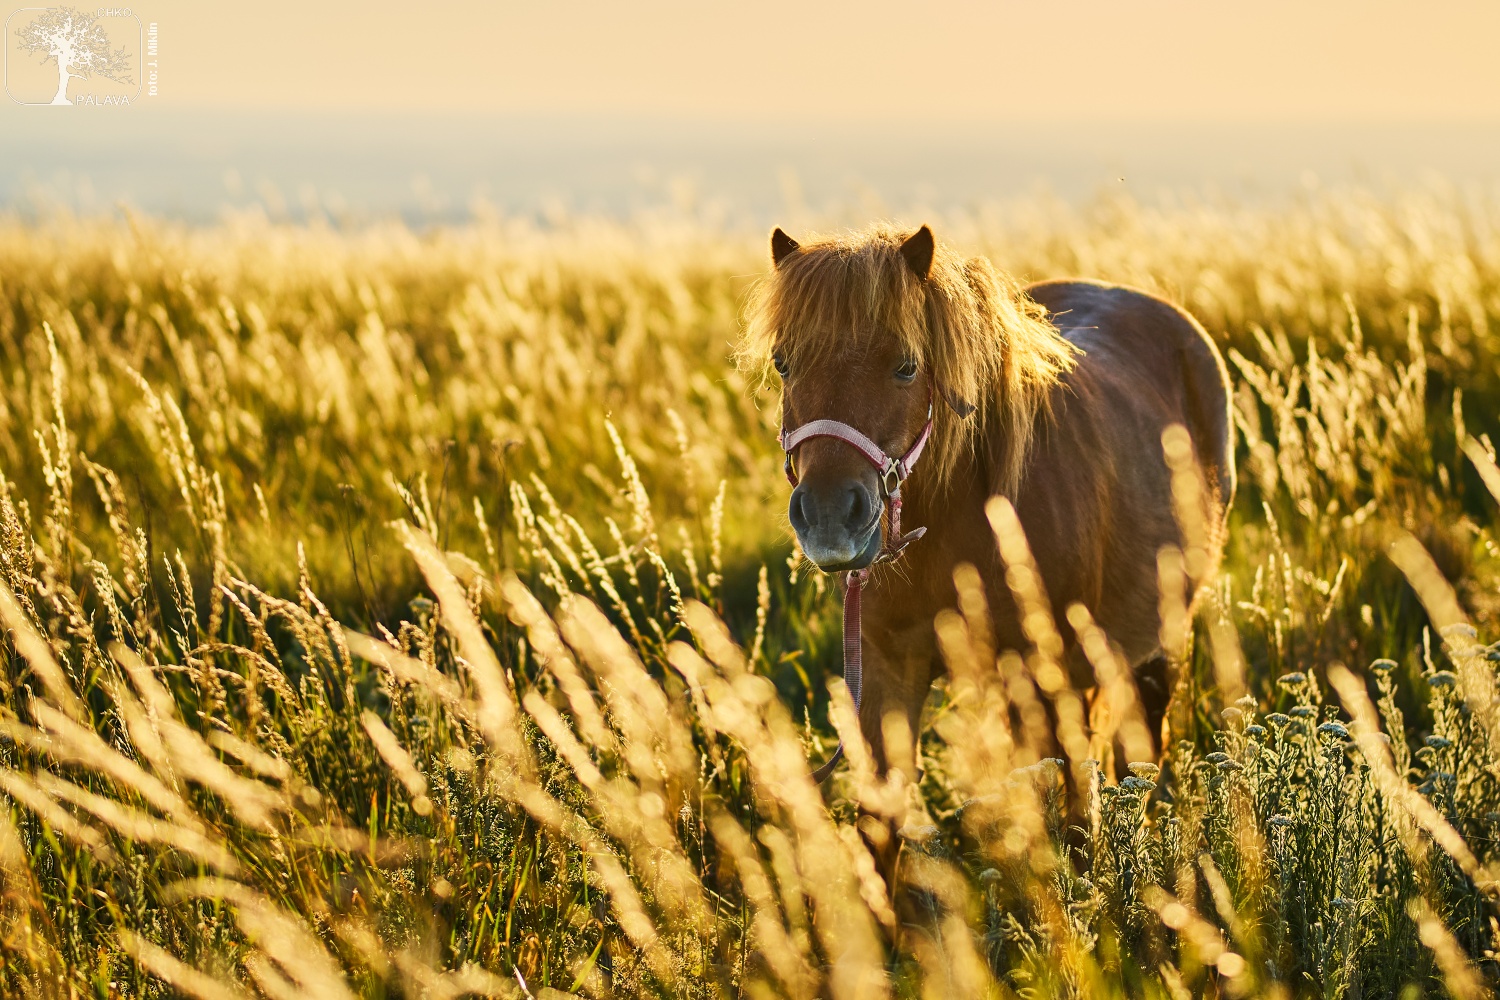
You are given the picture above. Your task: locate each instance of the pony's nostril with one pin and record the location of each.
(858, 500)
(795, 512)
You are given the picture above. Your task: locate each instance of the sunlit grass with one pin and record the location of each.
(414, 615)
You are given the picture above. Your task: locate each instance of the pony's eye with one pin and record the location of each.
(778, 361)
(907, 371)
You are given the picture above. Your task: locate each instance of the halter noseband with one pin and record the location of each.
(892, 472)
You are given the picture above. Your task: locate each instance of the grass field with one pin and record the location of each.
(399, 614)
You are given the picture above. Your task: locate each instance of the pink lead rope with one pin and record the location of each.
(893, 472)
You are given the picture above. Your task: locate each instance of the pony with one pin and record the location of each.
(1055, 396)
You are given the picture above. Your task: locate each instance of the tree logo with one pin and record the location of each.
(65, 56)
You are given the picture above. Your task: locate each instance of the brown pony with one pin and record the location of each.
(1055, 396)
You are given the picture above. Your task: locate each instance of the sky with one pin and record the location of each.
(1001, 60)
(428, 110)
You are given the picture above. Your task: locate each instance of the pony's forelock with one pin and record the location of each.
(986, 342)
(830, 289)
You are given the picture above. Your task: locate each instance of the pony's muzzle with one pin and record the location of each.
(838, 524)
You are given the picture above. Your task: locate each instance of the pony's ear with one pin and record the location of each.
(782, 246)
(962, 407)
(918, 251)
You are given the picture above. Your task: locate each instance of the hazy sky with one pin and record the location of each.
(425, 109)
(1263, 60)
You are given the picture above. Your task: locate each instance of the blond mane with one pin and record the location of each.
(986, 341)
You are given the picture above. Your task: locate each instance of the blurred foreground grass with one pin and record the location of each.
(367, 592)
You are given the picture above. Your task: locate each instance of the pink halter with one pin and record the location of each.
(893, 472)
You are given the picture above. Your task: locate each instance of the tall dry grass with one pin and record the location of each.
(412, 614)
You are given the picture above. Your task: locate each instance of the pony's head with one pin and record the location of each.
(873, 328)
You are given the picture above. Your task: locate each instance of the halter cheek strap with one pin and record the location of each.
(893, 472)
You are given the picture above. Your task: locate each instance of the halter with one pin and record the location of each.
(892, 472)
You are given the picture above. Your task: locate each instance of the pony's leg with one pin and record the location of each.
(896, 685)
(892, 735)
(898, 673)
(1154, 683)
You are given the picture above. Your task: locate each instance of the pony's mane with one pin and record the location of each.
(986, 341)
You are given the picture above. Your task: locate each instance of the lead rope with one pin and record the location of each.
(853, 647)
(853, 660)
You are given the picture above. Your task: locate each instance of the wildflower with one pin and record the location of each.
(1334, 729)
(1255, 732)
(1230, 766)
(1144, 769)
(1459, 629)
(1232, 715)
(1295, 679)
(1438, 742)
(1443, 679)
(1217, 757)
(1278, 720)
(1345, 903)
(1281, 821)
(1043, 771)
(1134, 784)
(1383, 666)
(1304, 712)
